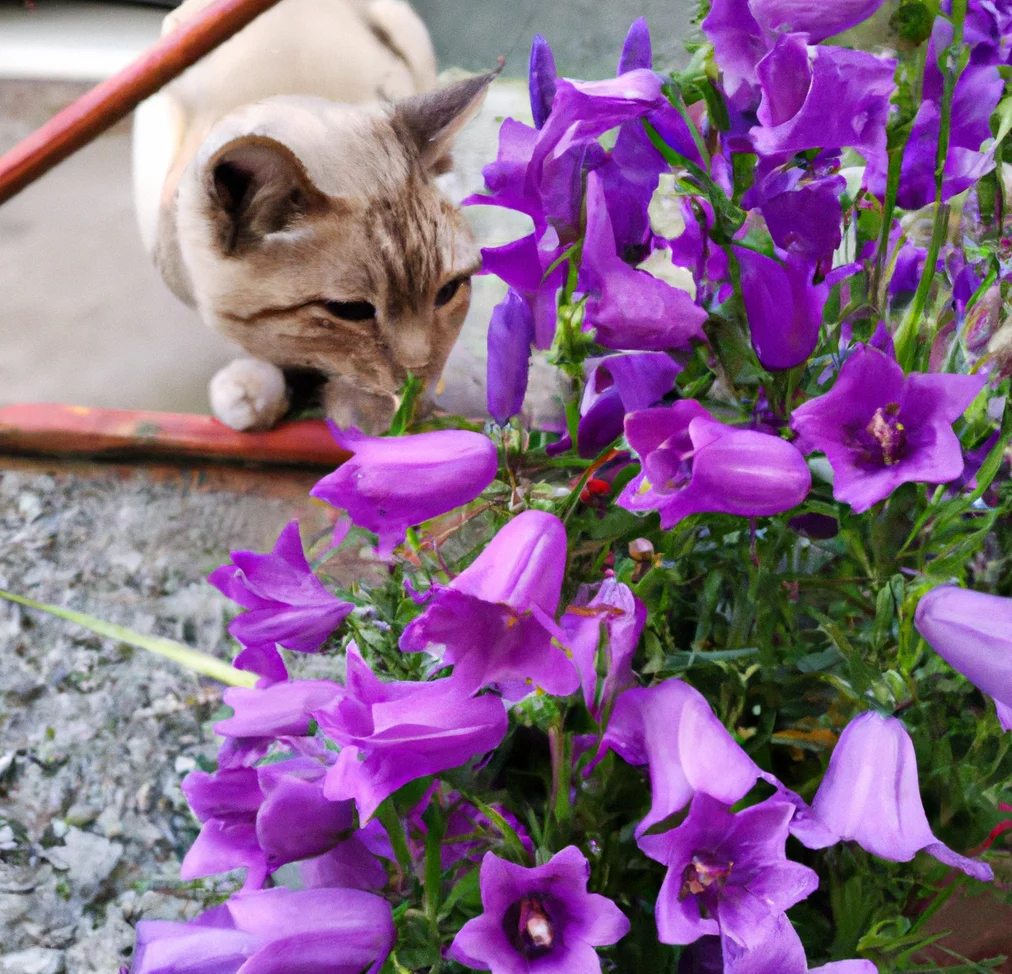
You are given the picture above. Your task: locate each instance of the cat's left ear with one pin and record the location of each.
(433, 120)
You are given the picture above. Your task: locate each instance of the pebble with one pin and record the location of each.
(34, 960)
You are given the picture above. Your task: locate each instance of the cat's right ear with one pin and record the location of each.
(433, 120)
(255, 186)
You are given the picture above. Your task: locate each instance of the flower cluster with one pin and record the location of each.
(692, 683)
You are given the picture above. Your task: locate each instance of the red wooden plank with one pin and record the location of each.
(59, 430)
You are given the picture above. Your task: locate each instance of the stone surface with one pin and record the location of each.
(97, 737)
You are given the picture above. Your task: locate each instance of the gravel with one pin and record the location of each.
(95, 737)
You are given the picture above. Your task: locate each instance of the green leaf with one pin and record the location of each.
(514, 846)
(410, 392)
(180, 653)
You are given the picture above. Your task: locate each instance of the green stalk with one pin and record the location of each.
(906, 344)
(192, 659)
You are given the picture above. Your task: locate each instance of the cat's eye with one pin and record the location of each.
(449, 290)
(351, 310)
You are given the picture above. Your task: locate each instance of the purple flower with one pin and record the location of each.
(281, 710)
(393, 733)
(391, 483)
(510, 336)
(261, 818)
(880, 429)
(338, 931)
(727, 873)
(803, 216)
(540, 920)
(495, 622)
(617, 615)
(972, 632)
(671, 729)
(743, 31)
(822, 98)
(637, 51)
(286, 602)
(784, 307)
(525, 266)
(616, 385)
(541, 80)
(818, 20)
(870, 794)
(628, 308)
(693, 463)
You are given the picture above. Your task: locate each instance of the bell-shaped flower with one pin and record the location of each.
(672, 729)
(614, 618)
(804, 216)
(728, 874)
(629, 308)
(822, 98)
(617, 385)
(870, 794)
(392, 483)
(541, 78)
(783, 306)
(880, 428)
(393, 733)
(972, 632)
(315, 931)
(262, 818)
(285, 602)
(495, 622)
(540, 920)
(510, 337)
(693, 463)
(817, 20)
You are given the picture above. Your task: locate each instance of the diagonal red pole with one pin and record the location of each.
(103, 106)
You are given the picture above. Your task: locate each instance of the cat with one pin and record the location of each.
(285, 188)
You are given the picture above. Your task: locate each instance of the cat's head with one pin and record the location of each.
(314, 235)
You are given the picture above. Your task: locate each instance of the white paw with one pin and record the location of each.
(249, 394)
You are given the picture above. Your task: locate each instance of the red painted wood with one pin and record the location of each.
(103, 106)
(58, 430)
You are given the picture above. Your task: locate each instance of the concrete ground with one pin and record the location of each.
(84, 319)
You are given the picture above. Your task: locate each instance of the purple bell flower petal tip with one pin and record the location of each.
(880, 428)
(541, 80)
(538, 920)
(972, 632)
(692, 463)
(392, 483)
(495, 622)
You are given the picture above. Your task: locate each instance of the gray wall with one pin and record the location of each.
(586, 35)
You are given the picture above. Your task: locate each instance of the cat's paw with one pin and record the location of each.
(249, 394)
(349, 405)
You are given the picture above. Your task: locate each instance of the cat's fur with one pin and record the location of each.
(285, 185)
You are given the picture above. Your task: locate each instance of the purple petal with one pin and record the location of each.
(972, 632)
(541, 80)
(636, 52)
(819, 21)
(510, 336)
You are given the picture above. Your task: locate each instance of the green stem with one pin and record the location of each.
(192, 659)
(906, 344)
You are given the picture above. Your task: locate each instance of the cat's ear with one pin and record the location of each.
(434, 119)
(255, 186)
